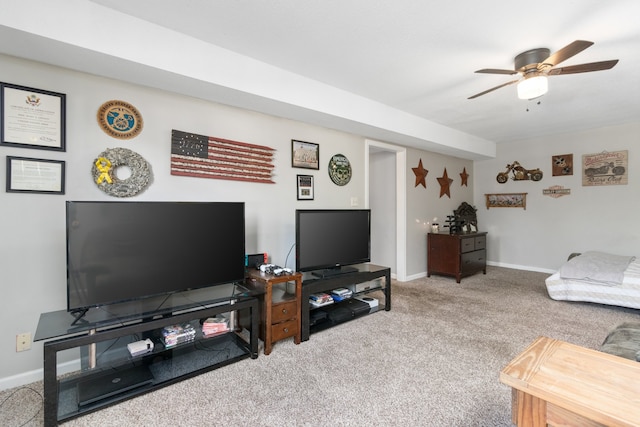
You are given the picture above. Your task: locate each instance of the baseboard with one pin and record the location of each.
(29, 377)
(494, 264)
(521, 267)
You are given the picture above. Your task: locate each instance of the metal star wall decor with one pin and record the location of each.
(421, 174)
(464, 175)
(445, 183)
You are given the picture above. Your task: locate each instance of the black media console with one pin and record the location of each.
(102, 336)
(364, 273)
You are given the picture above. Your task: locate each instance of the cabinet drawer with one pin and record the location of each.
(473, 261)
(283, 311)
(467, 245)
(284, 330)
(480, 242)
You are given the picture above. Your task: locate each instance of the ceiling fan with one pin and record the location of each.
(536, 65)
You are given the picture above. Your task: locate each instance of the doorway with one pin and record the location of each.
(385, 192)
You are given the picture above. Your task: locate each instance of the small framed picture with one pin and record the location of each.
(305, 187)
(506, 200)
(25, 175)
(305, 155)
(32, 118)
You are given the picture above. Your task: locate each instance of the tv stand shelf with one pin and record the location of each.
(364, 273)
(167, 365)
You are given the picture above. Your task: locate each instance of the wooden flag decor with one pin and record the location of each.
(208, 157)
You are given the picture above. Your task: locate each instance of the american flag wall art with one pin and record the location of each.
(208, 157)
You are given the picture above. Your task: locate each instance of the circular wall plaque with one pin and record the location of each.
(119, 119)
(340, 169)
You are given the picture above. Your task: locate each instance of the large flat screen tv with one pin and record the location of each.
(328, 241)
(123, 251)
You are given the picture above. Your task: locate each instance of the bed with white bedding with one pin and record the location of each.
(598, 277)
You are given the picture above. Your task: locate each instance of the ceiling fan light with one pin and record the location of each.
(533, 87)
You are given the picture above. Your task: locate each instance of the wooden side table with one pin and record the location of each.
(281, 311)
(561, 384)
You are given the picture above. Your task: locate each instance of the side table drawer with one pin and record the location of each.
(284, 330)
(284, 311)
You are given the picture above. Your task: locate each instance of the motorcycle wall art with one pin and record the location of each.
(518, 173)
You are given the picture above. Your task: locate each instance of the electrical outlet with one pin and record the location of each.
(23, 341)
(354, 201)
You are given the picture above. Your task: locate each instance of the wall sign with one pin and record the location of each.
(606, 168)
(340, 170)
(556, 191)
(119, 119)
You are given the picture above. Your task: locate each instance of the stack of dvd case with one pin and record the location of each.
(178, 334)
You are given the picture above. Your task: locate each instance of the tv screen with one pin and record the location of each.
(329, 239)
(121, 251)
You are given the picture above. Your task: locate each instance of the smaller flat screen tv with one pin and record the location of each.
(125, 251)
(328, 241)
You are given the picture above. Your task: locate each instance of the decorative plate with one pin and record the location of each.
(340, 170)
(119, 119)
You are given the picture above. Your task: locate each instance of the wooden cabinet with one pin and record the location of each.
(456, 255)
(280, 311)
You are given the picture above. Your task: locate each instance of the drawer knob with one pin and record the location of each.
(286, 329)
(284, 311)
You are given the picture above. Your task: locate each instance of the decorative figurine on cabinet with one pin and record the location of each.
(465, 218)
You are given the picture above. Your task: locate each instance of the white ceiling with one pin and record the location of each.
(417, 56)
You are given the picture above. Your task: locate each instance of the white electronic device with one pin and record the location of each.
(373, 303)
(139, 348)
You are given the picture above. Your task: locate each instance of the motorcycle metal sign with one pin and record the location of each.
(606, 168)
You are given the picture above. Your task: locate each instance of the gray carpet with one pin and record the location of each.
(433, 360)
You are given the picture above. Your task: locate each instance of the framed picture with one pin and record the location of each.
(305, 187)
(32, 118)
(506, 200)
(305, 155)
(606, 168)
(562, 165)
(25, 175)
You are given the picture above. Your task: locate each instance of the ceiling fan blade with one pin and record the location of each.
(493, 88)
(584, 68)
(495, 71)
(566, 52)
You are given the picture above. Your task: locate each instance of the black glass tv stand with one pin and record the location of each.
(72, 395)
(355, 280)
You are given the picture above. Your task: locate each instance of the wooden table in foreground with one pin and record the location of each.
(560, 384)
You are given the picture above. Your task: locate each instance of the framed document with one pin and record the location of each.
(35, 175)
(305, 187)
(32, 118)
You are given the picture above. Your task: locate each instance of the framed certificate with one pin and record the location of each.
(305, 187)
(32, 118)
(35, 175)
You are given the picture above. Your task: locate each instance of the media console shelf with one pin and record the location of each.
(110, 334)
(364, 273)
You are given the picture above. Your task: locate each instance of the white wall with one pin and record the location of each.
(590, 218)
(423, 204)
(32, 250)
